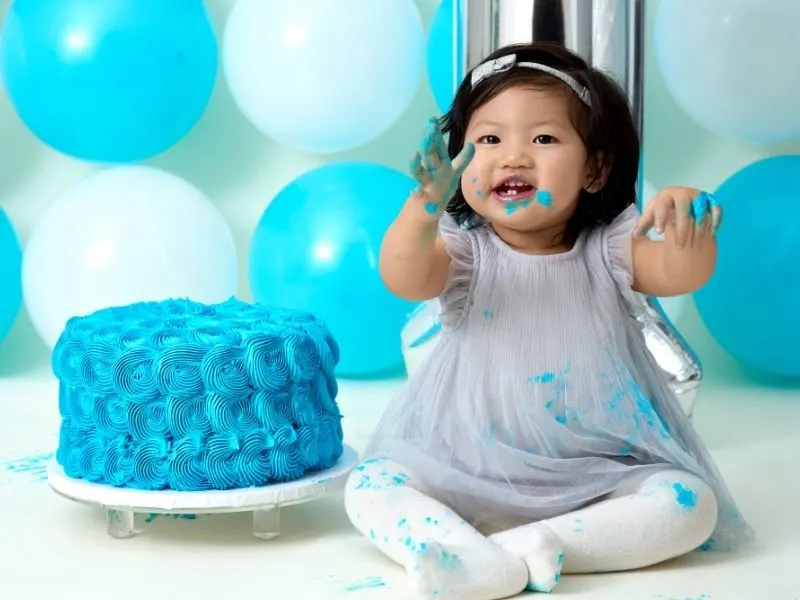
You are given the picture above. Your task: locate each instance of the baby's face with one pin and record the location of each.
(530, 163)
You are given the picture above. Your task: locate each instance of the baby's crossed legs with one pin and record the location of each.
(646, 521)
(445, 557)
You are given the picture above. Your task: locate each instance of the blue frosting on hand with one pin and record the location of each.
(186, 396)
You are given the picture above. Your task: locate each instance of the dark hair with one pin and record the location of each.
(607, 130)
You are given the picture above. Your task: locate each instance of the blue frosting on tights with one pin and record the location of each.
(186, 396)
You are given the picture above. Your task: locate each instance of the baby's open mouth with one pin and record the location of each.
(514, 189)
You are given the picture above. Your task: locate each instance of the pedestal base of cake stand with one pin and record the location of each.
(122, 505)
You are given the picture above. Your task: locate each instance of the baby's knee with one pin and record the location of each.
(378, 474)
(690, 499)
(372, 484)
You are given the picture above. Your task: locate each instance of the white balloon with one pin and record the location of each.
(124, 235)
(731, 65)
(320, 75)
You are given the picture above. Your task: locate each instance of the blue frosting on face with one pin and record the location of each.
(185, 396)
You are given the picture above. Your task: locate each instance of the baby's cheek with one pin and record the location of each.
(471, 186)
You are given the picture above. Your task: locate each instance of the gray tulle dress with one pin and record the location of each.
(541, 395)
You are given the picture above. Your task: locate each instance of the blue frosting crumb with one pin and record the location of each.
(366, 583)
(187, 396)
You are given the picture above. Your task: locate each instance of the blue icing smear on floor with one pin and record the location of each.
(33, 467)
(365, 584)
(153, 516)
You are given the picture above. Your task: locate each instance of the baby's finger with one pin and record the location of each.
(428, 146)
(645, 223)
(716, 218)
(441, 146)
(716, 212)
(663, 205)
(462, 160)
(646, 219)
(430, 157)
(699, 208)
(684, 223)
(704, 231)
(416, 169)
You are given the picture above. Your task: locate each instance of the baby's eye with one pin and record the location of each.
(544, 139)
(488, 139)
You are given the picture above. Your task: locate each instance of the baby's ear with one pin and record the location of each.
(597, 171)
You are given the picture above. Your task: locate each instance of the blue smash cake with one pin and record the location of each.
(179, 395)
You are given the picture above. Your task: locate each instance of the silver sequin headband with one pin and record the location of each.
(504, 63)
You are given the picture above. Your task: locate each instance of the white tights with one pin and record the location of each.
(644, 522)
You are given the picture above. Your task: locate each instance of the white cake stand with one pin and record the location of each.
(121, 505)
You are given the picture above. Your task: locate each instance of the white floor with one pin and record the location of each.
(53, 548)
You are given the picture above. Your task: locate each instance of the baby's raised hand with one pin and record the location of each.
(693, 213)
(437, 175)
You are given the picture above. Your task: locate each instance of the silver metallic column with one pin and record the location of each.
(608, 34)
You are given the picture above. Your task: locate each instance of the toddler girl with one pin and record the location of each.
(540, 437)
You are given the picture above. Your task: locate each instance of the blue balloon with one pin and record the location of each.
(443, 75)
(751, 305)
(10, 275)
(316, 249)
(117, 81)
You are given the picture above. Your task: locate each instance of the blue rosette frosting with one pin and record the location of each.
(180, 395)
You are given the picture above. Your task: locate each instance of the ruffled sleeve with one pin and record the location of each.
(616, 242)
(461, 248)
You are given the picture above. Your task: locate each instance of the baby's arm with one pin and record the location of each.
(414, 262)
(413, 259)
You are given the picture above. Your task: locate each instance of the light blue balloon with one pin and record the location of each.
(731, 66)
(109, 81)
(444, 74)
(751, 305)
(323, 76)
(316, 249)
(10, 275)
